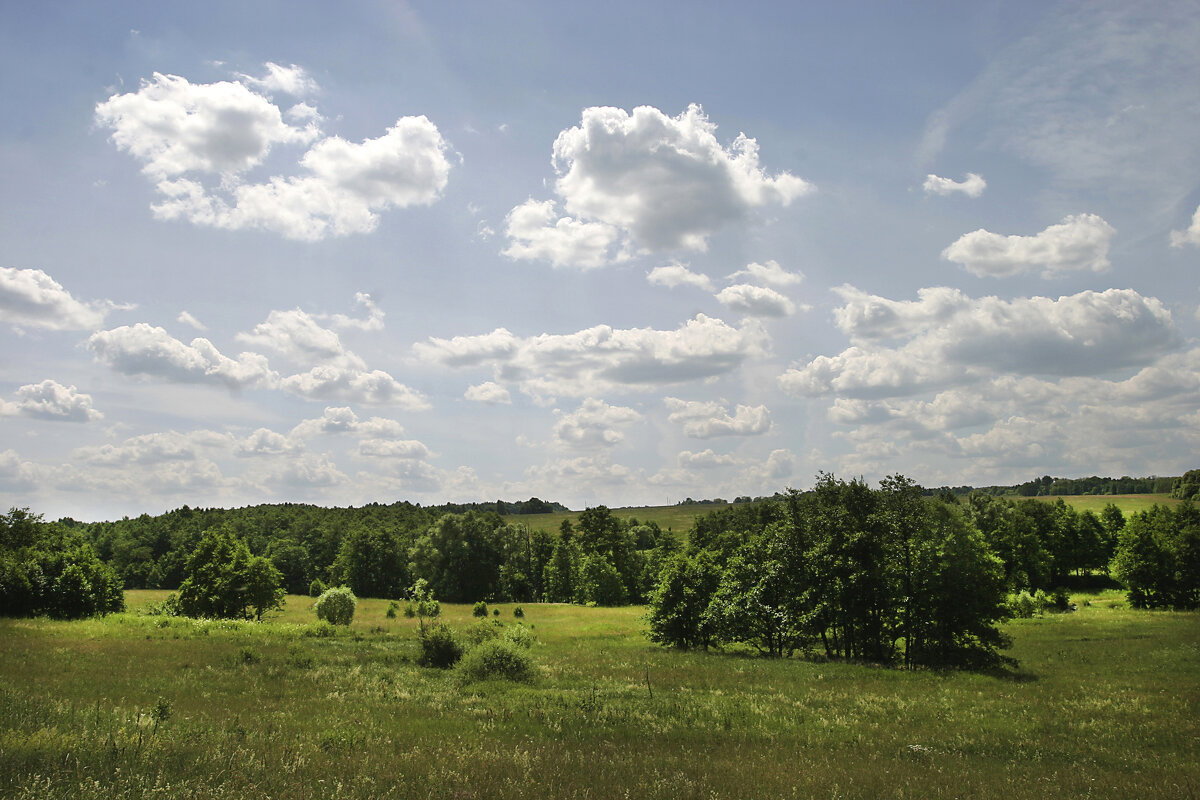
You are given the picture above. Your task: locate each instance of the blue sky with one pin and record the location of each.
(622, 255)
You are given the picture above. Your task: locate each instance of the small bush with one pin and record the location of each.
(1060, 599)
(498, 659)
(1021, 605)
(316, 588)
(169, 607)
(495, 612)
(409, 611)
(322, 630)
(519, 612)
(519, 636)
(246, 655)
(439, 648)
(1041, 600)
(483, 631)
(480, 609)
(393, 607)
(336, 606)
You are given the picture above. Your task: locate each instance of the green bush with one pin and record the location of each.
(1060, 599)
(1021, 605)
(519, 635)
(393, 607)
(316, 588)
(336, 606)
(498, 659)
(409, 611)
(483, 631)
(439, 648)
(519, 612)
(480, 609)
(495, 612)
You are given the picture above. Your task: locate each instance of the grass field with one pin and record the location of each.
(680, 518)
(1106, 704)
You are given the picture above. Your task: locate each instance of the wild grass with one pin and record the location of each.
(1105, 704)
(1128, 503)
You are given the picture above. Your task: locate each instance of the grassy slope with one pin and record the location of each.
(1107, 704)
(1128, 503)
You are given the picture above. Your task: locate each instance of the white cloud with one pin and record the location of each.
(656, 181)
(17, 475)
(755, 301)
(296, 335)
(29, 298)
(351, 384)
(706, 459)
(1190, 235)
(601, 358)
(594, 424)
(224, 129)
(372, 322)
(264, 442)
(51, 400)
(143, 349)
(187, 319)
(1079, 242)
(953, 340)
(769, 273)
(394, 448)
(342, 419)
(291, 80)
(536, 231)
(310, 471)
(154, 448)
(489, 393)
(673, 275)
(770, 475)
(175, 127)
(705, 420)
(972, 186)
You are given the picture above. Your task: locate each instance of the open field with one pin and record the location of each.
(1106, 704)
(1128, 503)
(675, 518)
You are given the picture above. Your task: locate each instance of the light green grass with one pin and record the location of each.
(1128, 503)
(1106, 704)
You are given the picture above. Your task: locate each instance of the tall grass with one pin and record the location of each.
(1105, 705)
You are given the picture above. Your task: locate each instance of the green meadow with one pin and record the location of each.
(1128, 503)
(1105, 703)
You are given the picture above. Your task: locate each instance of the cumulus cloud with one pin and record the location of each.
(147, 350)
(952, 340)
(769, 273)
(594, 424)
(296, 335)
(1079, 242)
(153, 448)
(708, 419)
(536, 231)
(972, 186)
(310, 471)
(356, 385)
(29, 298)
(342, 419)
(755, 301)
(601, 358)
(706, 459)
(489, 393)
(673, 275)
(51, 400)
(265, 442)
(372, 322)
(394, 448)
(659, 182)
(17, 475)
(1189, 235)
(224, 129)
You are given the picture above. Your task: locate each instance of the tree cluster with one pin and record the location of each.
(880, 575)
(46, 568)
(1158, 557)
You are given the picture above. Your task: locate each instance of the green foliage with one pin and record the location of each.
(1187, 486)
(519, 612)
(392, 608)
(48, 569)
(519, 636)
(224, 581)
(316, 588)
(498, 659)
(480, 609)
(1158, 557)
(1020, 605)
(482, 631)
(438, 646)
(336, 606)
(680, 600)
(599, 582)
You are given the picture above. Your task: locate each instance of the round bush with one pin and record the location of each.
(480, 609)
(316, 588)
(498, 659)
(519, 635)
(337, 606)
(439, 648)
(519, 612)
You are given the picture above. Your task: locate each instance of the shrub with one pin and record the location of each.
(483, 631)
(495, 612)
(409, 611)
(393, 606)
(322, 630)
(519, 612)
(519, 636)
(1021, 605)
(480, 609)
(1041, 600)
(1060, 599)
(498, 659)
(316, 588)
(336, 606)
(439, 648)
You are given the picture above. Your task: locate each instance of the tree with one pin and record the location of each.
(224, 581)
(680, 600)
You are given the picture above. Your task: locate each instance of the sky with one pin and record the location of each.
(620, 254)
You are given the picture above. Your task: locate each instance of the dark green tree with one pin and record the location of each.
(224, 581)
